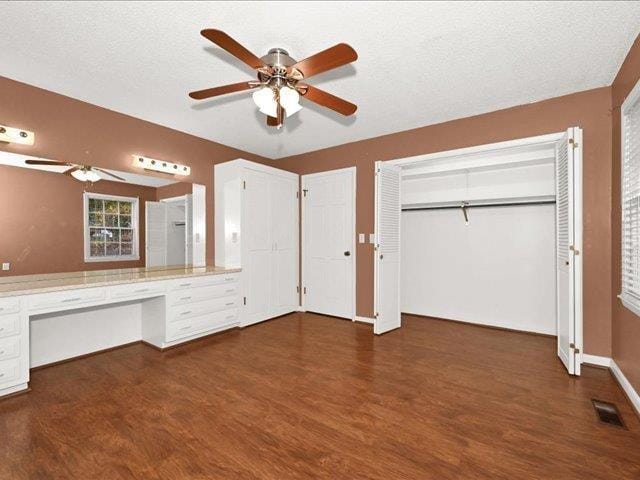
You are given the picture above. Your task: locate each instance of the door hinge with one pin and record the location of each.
(298, 289)
(304, 290)
(573, 347)
(573, 143)
(244, 184)
(297, 194)
(244, 300)
(304, 192)
(377, 315)
(574, 250)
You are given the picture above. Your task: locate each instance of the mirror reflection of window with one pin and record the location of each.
(111, 228)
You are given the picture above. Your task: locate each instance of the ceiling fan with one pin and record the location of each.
(280, 76)
(84, 173)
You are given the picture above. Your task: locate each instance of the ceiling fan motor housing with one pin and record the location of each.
(279, 60)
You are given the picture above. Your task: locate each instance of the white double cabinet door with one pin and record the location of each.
(267, 236)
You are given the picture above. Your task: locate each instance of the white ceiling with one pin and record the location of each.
(419, 62)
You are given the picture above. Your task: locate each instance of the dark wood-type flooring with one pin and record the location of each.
(307, 396)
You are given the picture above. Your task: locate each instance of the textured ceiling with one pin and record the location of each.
(419, 62)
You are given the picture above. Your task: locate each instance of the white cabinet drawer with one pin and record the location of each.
(195, 325)
(205, 280)
(183, 312)
(9, 348)
(9, 370)
(201, 294)
(137, 290)
(9, 305)
(9, 325)
(66, 300)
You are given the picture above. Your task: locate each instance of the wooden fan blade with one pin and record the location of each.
(48, 162)
(108, 173)
(234, 48)
(327, 100)
(214, 92)
(328, 59)
(272, 121)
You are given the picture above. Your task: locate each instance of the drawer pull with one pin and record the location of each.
(74, 299)
(1, 375)
(185, 298)
(186, 313)
(186, 328)
(228, 279)
(1, 309)
(1, 329)
(185, 284)
(229, 291)
(1, 352)
(229, 317)
(140, 290)
(230, 303)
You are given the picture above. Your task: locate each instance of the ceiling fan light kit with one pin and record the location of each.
(160, 166)
(279, 77)
(16, 135)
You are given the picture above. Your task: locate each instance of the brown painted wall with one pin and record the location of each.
(75, 131)
(174, 190)
(41, 221)
(590, 110)
(625, 324)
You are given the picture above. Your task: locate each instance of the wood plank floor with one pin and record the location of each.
(306, 396)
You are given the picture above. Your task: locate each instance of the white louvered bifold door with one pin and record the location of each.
(568, 248)
(387, 260)
(156, 234)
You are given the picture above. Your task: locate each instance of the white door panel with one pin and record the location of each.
(156, 234)
(257, 246)
(387, 255)
(329, 242)
(568, 248)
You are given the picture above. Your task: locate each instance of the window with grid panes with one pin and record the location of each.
(111, 227)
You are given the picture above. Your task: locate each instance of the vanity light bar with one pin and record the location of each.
(160, 165)
(16, 135)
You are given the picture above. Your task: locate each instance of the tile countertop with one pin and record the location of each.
(54, 282)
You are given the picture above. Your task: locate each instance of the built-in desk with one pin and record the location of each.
(177, 305)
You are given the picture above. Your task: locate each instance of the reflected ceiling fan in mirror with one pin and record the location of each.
(279, 80)
(83, 173)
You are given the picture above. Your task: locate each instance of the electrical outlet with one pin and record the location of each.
(361, 238)
(6, 267)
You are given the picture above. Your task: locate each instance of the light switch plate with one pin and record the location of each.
(6, 266)
(361, 238)
(372, 238)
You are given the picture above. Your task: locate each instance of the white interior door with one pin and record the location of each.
(387, 255)
(156, 234)
(283, 207)
(569, 248)
(256, 246)
(329, 242)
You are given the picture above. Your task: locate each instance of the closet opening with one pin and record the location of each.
(488, 235)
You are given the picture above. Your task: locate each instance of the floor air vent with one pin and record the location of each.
(608, 413)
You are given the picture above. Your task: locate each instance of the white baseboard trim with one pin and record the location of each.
(363, 319)
(301, 309)
(631, 393)
(596, 360)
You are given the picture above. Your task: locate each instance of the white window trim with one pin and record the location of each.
(628, 299)
(134, 223)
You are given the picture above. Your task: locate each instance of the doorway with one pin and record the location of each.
(329, 242)
(489, 235)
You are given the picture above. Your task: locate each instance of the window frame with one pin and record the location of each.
(135, 225)
(629, 299)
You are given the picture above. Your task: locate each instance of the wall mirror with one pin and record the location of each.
(55, 219)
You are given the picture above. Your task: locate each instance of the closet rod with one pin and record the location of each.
(456, 207)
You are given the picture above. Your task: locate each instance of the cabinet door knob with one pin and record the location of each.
(347, 253)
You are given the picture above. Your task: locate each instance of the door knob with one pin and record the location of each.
(347, 253)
